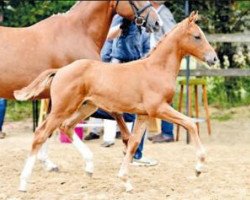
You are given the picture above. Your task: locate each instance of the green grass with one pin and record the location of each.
(222, 117)
(17, 111)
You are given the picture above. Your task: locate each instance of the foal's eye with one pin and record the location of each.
(197, 37)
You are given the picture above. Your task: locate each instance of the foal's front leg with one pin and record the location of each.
(134, 140)
(166, 112)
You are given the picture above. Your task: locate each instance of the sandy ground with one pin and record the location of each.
(227, 172)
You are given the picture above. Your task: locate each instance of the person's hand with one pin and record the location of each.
(114, 32)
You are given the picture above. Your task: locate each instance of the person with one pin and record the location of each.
(168, 23)
(3, 104)
(95, 132)
(113, 52)
(126, 42)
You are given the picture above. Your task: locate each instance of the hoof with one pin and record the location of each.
(23, 191)
(89, 174)
(197, 173)
(54, 169)
(22, 187)
(128, 186)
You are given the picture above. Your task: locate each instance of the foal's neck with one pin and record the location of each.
(94, 19)
(167, 55)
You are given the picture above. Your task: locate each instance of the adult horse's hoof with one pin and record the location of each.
(89, 174)
(128, 186)
(21, 190)
(50, 166)
(197, 173)
(54, 169)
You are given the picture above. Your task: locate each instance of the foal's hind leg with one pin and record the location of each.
(68, 127)
(134, 140)
(166, 112)
(41, 135)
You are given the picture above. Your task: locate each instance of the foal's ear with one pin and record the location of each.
(193, 17)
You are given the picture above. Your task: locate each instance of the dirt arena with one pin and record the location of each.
(226, 176)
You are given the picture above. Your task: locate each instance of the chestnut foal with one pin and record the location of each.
(145, 87)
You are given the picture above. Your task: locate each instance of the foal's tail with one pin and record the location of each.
(35, 88)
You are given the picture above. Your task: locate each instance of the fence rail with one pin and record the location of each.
(217, 72)
(236, 37)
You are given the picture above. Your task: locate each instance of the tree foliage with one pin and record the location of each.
(22, 13)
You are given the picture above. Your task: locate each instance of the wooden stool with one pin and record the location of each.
(44, 110)
(154, 125)
(194, 83)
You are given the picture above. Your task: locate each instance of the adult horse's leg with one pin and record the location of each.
(44, 158)
(68, 127)
(133, 142)
(41, 135)
(125, 133)
(42, 155)
(166, 112)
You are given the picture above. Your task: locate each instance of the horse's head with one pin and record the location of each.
(141, 12)
(193, 41)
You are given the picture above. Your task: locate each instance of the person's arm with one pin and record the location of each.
(114, 32)
(106, 51)
(145, 43)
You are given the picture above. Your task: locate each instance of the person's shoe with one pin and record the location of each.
(107, 144)
(92, 136)
(2, 135)
(160, 138)
(144, 161)
(150, 138)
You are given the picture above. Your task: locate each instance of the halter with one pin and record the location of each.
(139, 20)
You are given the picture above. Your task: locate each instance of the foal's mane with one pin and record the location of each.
(161, 40)
(158, 43)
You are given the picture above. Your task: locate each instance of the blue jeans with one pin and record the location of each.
(3, 104)
(167, 129)
(128, 118)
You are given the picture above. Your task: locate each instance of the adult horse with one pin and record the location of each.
(60, 40)
(148, 92)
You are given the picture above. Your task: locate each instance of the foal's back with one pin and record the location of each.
(101, 83)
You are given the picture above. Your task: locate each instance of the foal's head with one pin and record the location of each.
(141, 12)
(193, 41)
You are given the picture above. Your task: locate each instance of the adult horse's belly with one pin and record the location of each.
(24, 54)
(12, 78)
(22, 58)
(18, 71)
